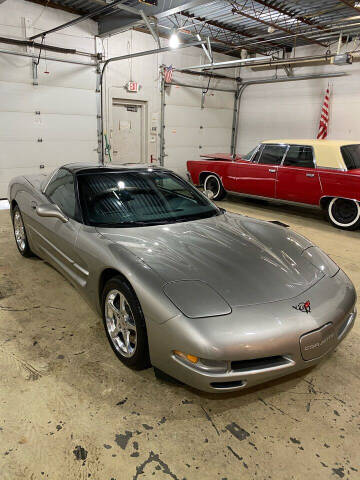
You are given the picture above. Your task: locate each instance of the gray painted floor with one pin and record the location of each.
(70, 410)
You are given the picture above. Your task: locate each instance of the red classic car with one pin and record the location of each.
(325, 173)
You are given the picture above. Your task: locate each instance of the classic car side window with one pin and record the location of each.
(299, 156)
(351, 156)
(61, 191)
(272, 154)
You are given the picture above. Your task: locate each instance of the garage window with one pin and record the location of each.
(272, 154)
(299, 156)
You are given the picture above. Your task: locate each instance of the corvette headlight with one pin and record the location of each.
(321, 261)
(196, 299)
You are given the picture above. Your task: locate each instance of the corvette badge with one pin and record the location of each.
(303, 307)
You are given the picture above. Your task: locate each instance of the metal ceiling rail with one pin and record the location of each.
(261, 81)
(255, 62)
(98, 11)
(52, 59)
(126, 57)
(50, 48)
(216, 89)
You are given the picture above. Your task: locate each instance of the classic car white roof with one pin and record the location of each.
(327, 152)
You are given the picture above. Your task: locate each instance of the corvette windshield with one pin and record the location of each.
(140, 198)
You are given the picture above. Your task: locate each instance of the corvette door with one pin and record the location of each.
(56, 239)
(298, 179)
(258, 177)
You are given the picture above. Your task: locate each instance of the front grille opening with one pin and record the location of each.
(259, 363)
(235, 383)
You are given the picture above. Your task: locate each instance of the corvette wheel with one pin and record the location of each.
(20, 234)
(344, 213)
(213, 183)
(124, 324)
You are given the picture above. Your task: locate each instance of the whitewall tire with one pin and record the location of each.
(213, 183)
(344, 213)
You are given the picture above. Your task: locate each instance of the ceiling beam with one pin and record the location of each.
(285, 11)
(94, 13)
(57, 6)
(276, 26)
(228, 28)
(350, 5)
(112, 24)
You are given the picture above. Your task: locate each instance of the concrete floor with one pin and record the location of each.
(70, 410)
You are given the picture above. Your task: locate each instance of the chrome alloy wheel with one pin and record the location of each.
(120, 323)
(19, 231)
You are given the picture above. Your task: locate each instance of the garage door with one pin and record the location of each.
(191, 131)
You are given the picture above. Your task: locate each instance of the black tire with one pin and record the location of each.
(343, 213)
(213, 183)
(139, 358)
(20, 235)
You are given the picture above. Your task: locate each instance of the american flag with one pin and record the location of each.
(324, 117)
(168, 71)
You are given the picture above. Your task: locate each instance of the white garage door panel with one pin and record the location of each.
(178, 136)
(194, 116)
(177, 158)
(61, 74)
(215, 136)
(20, 158)
(191, 131)
(192, 97)
(20, 97)
(17, 125)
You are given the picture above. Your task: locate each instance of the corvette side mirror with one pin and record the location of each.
(50, 210)
(209, 194)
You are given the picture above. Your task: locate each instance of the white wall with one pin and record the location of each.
(183, 115)
(65, 97)
(292, 110)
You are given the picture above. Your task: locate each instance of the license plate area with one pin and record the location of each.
(318, 342)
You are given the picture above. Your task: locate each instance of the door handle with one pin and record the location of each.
(310, 174)
(272, 170)
(33, 205)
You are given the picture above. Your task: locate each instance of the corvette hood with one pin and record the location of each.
(246, 261)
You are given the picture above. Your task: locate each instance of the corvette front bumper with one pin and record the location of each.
(258, 343)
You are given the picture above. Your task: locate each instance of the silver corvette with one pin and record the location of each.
(215, 300)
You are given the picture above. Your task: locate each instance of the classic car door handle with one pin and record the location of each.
(310, 174)
(33, 205)
(272, 170)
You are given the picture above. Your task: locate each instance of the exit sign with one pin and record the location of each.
(132, 87)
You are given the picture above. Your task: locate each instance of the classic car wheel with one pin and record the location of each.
(20, 233)
(344, 213)
(213, 183)
(124, 324)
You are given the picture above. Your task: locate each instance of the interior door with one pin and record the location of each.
(127, 138)
(259, 176)
(298, 179)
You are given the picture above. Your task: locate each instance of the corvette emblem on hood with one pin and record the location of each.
(303, 306)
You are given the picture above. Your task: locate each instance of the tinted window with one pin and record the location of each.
(272, 154)
(351, 156)
(299, 156)
(61, 191)
(126, 199)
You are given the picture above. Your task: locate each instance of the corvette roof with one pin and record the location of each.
(94, 167)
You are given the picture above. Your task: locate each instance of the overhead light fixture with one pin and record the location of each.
(271, 29)
(357, 4)
(174, 40)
